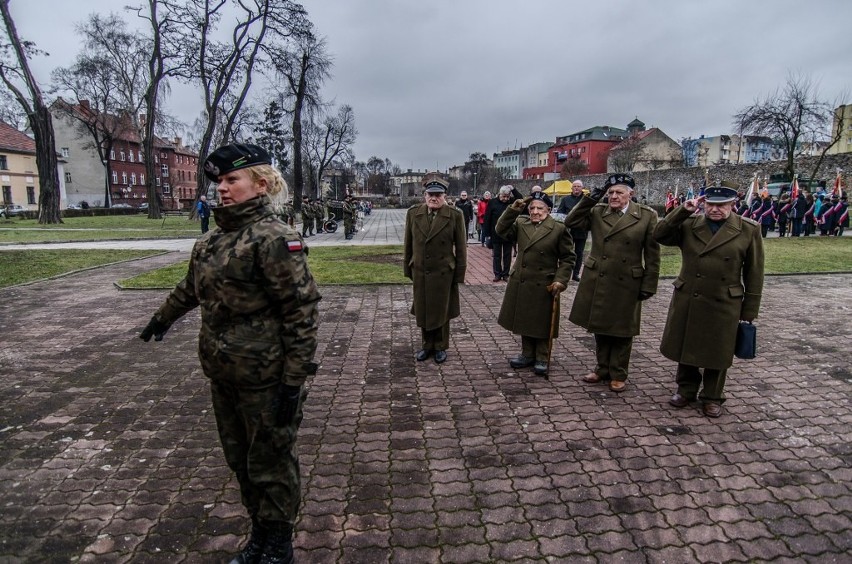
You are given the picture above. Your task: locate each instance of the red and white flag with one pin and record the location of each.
(838, 185)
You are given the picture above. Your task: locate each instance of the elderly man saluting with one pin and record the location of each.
(620, 272)
(435, 260)
(720, 283)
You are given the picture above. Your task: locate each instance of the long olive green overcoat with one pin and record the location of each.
(435, 260)
(624, 261)
(545, 255)
(720, 283)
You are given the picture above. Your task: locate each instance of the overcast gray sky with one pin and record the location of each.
(433, 81)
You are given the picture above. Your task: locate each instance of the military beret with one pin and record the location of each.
(234, 157)
(614, 179)
(723, 193)
(543, 197)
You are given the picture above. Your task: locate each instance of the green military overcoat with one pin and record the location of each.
(435, 260)
(545, 255)
(624, 261)
(720, 282)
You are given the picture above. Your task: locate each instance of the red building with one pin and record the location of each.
(183, 177)
(590, 146)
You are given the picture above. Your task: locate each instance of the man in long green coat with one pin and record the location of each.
(435, 260)
(620, 272)
(720, 283)
(539, 274)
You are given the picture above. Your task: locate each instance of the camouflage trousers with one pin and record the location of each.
(263, 456)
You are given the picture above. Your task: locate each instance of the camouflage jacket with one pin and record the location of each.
(257, 296)
(307, 211)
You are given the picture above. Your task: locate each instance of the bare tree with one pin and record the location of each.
(11, 111)
(790, 115)
(624, 156)
(303, 69)
(574, 166)
(16, 75)
(105, 85)
(226, 68)
(330, 139)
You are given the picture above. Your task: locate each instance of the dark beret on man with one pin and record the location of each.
(614, 179)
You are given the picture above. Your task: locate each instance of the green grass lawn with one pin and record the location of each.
(98, 228)
(18, 267)
(383, 264)
(329, 265)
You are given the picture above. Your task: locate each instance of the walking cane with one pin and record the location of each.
(554, 325)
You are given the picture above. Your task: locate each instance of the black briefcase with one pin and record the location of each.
(746, 346)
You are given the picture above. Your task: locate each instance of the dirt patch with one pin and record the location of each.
(381, 259)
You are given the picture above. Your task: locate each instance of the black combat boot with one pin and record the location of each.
(279, 547)
(253, 550)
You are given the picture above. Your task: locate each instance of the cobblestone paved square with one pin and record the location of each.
(109, 452)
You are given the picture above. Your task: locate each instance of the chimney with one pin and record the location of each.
(178, 143)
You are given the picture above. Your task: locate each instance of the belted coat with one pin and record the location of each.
(545, 255)
(435, 259)
(720, 283)
(624, 261)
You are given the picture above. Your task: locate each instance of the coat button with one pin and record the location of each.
(604, 257)
(695, 295)
(698, 275)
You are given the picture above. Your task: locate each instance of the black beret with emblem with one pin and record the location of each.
(621, 178)
(234, 157)
(543, 197)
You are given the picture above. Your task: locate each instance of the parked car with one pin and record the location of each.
(143, 207)
(74, 207)
(122, 206)
(11, 210)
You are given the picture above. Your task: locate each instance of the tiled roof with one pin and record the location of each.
(15, 141)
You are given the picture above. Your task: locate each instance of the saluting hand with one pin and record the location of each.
(519, 205)
(692, 205)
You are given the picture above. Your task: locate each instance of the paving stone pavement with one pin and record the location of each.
(109, 453)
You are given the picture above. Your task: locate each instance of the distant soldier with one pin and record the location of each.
(307, 217)
(348, 217)
(319, 214)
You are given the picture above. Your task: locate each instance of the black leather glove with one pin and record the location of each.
(286, 404)
(644, 296)
(155, 328)
(597, 193)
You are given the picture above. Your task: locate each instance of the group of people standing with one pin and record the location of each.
(259, 316)
(720, 283)
(799, 216)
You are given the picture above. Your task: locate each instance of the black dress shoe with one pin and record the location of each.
(678, 400)
(521, 361)
(712, 409)
(423, 354)
(497, 279)
(440, 356)
(540, 368)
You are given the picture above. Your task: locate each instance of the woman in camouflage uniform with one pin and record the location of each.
(258, 338)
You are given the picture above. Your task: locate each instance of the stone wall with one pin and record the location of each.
(653, 185)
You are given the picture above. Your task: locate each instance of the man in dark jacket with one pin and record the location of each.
(464, 205)
(501, 248)
(720, 283)
(579, 235)
(797, 214)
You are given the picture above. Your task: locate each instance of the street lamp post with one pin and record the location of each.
(474, 183)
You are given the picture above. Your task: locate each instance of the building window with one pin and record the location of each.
(114, 177)
(65, 152)
(165, 169)
(141, 156)
(156, 159)
(122, 156)
(133, 179)
(142, 178)
(130, 155)
(112, 155)
(167, 189)
(124, 178)
(67, 178)
(157, 179)
(4, 163)
(31, 195)
(7, 195)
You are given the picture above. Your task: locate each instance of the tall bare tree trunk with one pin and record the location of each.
(298, 174)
